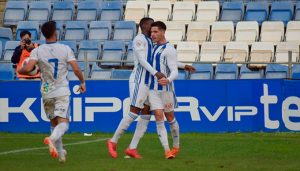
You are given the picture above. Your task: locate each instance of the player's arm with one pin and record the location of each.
(30, 65)
(186, 67)
(77, 71)
(171, 57)
(139, 50)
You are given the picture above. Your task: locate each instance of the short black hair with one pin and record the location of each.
(48, 29)
(145, 20)
(160, 25)
(24, 32)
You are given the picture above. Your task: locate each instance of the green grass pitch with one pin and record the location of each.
(226, 151)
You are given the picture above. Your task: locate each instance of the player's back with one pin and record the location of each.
(53, 61)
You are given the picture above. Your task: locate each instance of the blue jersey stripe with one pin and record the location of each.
(146, 81)
(152, 60)
(157, 58)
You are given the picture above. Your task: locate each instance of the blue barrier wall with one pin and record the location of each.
(204, 106)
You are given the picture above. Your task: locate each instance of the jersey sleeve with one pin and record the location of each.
(139, 46)
(70, 54)
(180, 65)
(34, 54)
(172, 64)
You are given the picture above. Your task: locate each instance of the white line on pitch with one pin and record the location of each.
(40, 148)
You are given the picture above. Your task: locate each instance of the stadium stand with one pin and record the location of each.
(71, 44)
(276, 71)
(124, 30)
(297, 12)
(183, 11)
(63, 11)
(113, 51)
(175, 31)
(246, 73)
(9, 49)
(39, 11)
(236, 52)
(129, 56)
(272, 31)
(281, 11)
(76, 30)
(208, 11)
(187, 51)
(296, 71)
(182, 75)
(135, 10)
(282, 49)
(261, 52)
(257, 11)
(247, 31)
(101, 74)
(232, 11)
(111, 11)
(293, 31)
(198, 32)
(222, 31)
(91, 49)
(31, 26)
(100, 30)
(7, 71)
(203, 72)
(87, 10)
(5, 35)
(211, 52)
(120, 74)
(160, 10)
(15, 11)
(226, 71)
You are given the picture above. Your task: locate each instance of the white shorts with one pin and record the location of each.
(138, 94)
(57, 106)
(164, 100)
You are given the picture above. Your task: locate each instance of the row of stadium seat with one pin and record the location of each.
(208, 11)
(188, 52)
(221, 31)
(204, 72)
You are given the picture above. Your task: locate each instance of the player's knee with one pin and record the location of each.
(169, 116)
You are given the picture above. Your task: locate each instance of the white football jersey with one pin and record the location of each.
(52, 59)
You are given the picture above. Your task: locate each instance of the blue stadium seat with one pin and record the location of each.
(282, 11)
(296, 71)
(129, 57)
(31, 26)
(125, 30)
(120, 74)
(7, 71)
(111, 11)
(14, 11)
(232, 11)
(63, 11)
(276, 71)
(39, 11)
(246, 73)
(9, 49)
(87, 10)
(257, 11)
(90, 48)
(203, 72)
(5, 35)
(113, 50)
(71, 44)
(59, 30)
(100, 30)
(297, 12)
(182, 75)
(101, 74)
(1, 50)
(76, 30)
(226, 71)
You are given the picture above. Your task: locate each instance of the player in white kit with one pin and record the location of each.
(161, 94)
(53, 58)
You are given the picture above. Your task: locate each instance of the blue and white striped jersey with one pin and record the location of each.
(164, 60)
(142, 50)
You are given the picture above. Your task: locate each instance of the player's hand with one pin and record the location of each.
(160, 75)
(189, 68)
(81, 88)
(22, 44)
(164, 81)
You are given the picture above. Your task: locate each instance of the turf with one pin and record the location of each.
(227, 151)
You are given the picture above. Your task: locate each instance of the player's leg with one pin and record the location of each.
(49, 106)
(157, 107)
(137, 98)
(170, 103)
(140, 130)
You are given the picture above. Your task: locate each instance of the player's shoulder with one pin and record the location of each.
(139, 37)
(170, 47)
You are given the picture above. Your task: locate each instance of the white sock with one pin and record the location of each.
(58, 144)
(163, 135)
(123, 126)
(140, 130)
(174, 127)
(59, 131)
